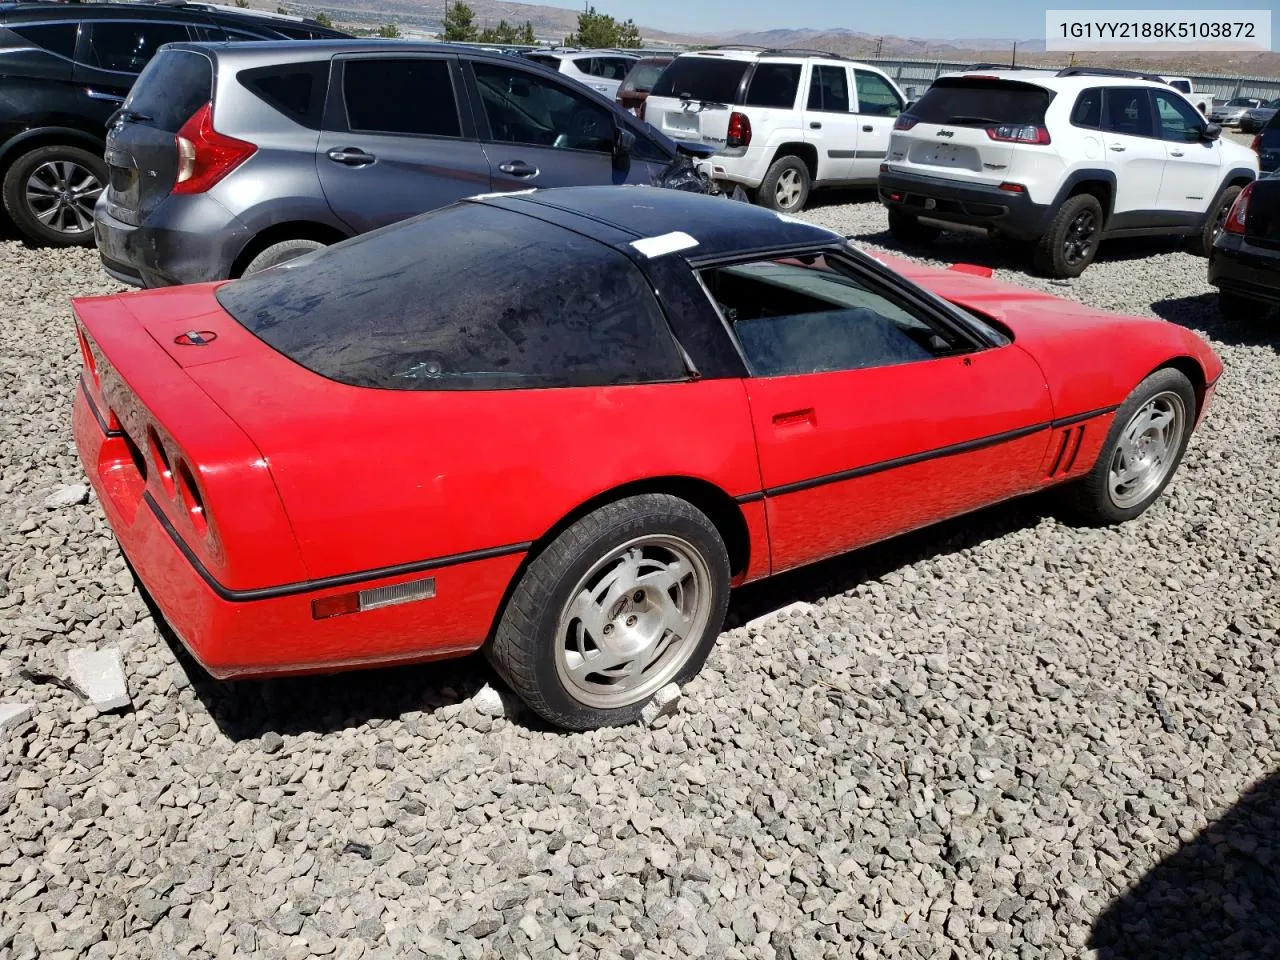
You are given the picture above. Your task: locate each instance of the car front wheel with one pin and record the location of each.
(50, 192)
(1143, 449)
(625, 601)
(1202, 243)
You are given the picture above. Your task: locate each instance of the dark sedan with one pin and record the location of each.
(1245, 262)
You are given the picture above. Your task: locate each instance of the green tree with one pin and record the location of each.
(526, 34)
(601, 30)
(502, 33)
(459, 23)
(389, 31)
(322, 18)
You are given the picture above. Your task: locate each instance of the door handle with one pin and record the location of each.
(351, 157)
(815, 125)
(868, 128)
(518, 168)
(1117, 148)
(1176, 153)
(795, 418)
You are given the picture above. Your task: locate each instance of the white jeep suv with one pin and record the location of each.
(783, 122)
(601, 70)
(1060, 160)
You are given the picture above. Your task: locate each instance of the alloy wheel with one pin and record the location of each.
(1081, 236)
(633, 621)
(788, 190)
(61, 194)
(1148, 446)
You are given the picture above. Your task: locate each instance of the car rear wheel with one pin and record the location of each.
(279, 253)
(1202, 243)
(786, 186)
(625, 601)
(50, 192)
(1143, 449)
(908, 230)
(1071, 241)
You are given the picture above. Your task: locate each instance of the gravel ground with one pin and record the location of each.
(977, 741)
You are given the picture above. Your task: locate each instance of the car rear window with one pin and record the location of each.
(643, 76)
(59, 38)
(773, 85)
(172, 87)
(468, 297)
(701, 78)
(297, 89)
(961, 101)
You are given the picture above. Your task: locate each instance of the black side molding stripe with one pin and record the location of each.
(325, 583)
(751, 497)
(107, 431)
(948, 451)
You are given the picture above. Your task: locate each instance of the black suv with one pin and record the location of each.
(65, 68)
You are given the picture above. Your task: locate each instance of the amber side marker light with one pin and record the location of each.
(359, 601)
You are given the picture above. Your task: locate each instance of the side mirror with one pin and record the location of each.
(1212, 131)
(624, 141)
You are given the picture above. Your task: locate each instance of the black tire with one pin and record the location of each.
(1090, 499)
(1065, 250)
(70, 211)
(279, 253)
(527, 646)
(909, 231)
(1202, 242)
(790, 170)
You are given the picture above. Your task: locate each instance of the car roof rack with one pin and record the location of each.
(803, 52)
(999, 66)
(1108, 72)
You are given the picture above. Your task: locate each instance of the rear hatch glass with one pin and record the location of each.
(952, 119)
(468, 297)
(172, 87)
(691, 99)
(642, 77)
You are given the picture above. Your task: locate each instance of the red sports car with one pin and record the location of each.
(560, 425)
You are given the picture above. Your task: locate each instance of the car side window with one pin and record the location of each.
(59, 38)
(537, 111)
(1087, 112)
(810, 314)
(829, 89)
(126, 46)
(1127, 111)
(1179, 121)
(875, 96)
(406, 96)
(774, 85)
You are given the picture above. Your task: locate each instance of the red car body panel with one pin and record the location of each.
(244, 487)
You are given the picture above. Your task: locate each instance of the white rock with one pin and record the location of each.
(664, 703)
(13, 715)
(99, 677)
(67, 496)
(797, 607)
(491, 702)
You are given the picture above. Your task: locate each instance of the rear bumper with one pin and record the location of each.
(185, 239)
(1245, 269)
(952, 201)
(272, 631)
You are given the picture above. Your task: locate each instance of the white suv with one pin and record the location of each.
(601, 70)
(783, 122)
(1062, 160)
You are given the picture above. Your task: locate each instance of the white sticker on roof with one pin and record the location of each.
(667, 243)
(503, 193)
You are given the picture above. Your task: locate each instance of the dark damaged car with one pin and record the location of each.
(229, 159)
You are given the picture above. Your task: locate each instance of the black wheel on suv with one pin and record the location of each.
(1202, 243)
(1071, 242)
(49, 193)
(909, 231)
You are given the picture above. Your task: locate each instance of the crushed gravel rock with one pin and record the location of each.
(1004, 737)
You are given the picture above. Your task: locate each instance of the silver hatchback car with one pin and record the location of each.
(229, 158)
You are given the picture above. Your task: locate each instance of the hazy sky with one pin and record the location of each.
(930, 19)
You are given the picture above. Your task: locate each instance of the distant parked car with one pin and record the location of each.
(255, 155)
(635, 87)
(64, 67)
(783, 122)
(1200, 101)
(1231, 113)
(1267, 145)
(1060, 161)
(1257, 118)
(1245, 262)
(601, 70)
(559, 427)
